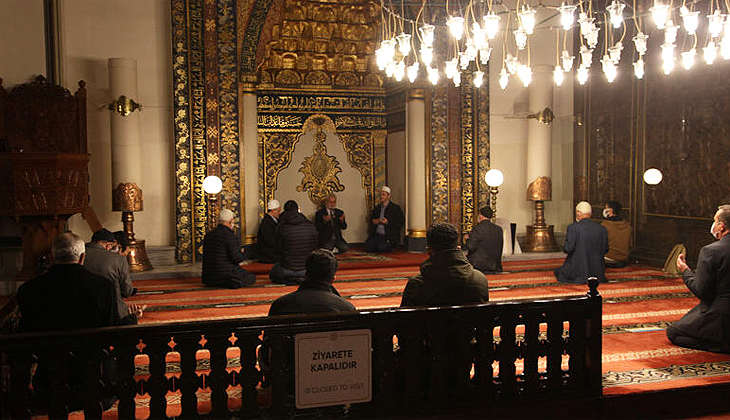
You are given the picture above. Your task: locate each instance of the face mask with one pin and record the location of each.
(605, 214)
(712, 231)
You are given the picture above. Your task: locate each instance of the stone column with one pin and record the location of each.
(539, 235)
(250, 152)
(416, 170)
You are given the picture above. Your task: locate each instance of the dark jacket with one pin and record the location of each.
(311, 297)
(296, 238)
(266, 240)
(395, 217)
(221, 255)
(115, 268)
(67, 296)
(446, 278)
(333, 226)
(586, 242)
(708, 323)
(485, 247)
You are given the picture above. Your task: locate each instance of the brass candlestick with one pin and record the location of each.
(127, 198)
(540, 236)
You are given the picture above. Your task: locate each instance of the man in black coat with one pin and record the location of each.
(316, 294)
(330, 222)
(222, 256)
(385, 224)
(586, 242)
(446, 278)
(296, 238)
(707, 325)
(266, 238)
(484, 243)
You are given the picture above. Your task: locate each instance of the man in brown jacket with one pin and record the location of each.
(619, 235)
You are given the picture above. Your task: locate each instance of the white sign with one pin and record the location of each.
(333, 368)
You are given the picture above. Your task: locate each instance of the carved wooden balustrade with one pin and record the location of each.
(423, 359)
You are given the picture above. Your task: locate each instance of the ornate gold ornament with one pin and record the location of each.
(127, 197)
(124, 106)
(320, 170)
(540, 189)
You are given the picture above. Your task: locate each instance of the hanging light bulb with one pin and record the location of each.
(616, 10)
(586, 24)
(484, 55)
(387, 49)
(592, 38)
(670, 33)
(413, 71)
(527, 17)
(380, 58)
(609, 68)
(480, 37)
(615, 52)
(457, 79)
(688, 59)
(558, 75)
(660, 14)
(426, 55)
(491, 24)
(520, 38)
(582, 75)
(450, 68)
(478, 79)
(586, 56)
(667, 58)
(503, 78)
(640, 43)
(716, 22)
(427, 34)
(456, 26)
(567, 15)
(400, 71)
(710, 53)
(463, 60)
(390, 69)
(524, 72)
(690, 19)
(567, 61)
(471, 51)
(404, 44)
(639, 68)
(511, 64)
(433, 75)
(391, 49)
(725, 46)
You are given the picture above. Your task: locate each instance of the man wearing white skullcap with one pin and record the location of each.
(222, 255)
(385, 225)
(586, 242)
(265, 240)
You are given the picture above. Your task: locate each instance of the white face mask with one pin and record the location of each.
(712, 231)
(605, 214)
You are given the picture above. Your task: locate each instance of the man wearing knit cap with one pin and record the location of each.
(586, 242)
(385, 225)
(222, 256)
(266, 239)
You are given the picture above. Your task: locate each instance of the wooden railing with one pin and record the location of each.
(432, 358)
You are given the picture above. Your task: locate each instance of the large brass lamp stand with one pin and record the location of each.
(127, 198)
(540, 236)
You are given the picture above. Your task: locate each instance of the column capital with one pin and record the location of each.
(247, 82)
(416, 94)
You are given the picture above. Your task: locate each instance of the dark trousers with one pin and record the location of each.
(281, 275)
(338, 243)
(377, 243)
(237, 279)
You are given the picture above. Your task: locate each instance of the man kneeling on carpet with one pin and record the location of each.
(222, 256)
(586, 242)
(447, 277)
(296, 238)
(707, 325)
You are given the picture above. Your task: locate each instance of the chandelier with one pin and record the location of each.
(408, 44)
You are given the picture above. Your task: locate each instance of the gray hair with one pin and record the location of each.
(225, 216)
(723, 215)
(67, 248)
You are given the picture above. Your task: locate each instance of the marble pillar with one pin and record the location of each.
(250, 153)
(416, 170)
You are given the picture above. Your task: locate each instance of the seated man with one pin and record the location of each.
(619, 235)
(68, 296)
(296, 238)
(316, 293)
(585, 243)
(222, 256)
(102, 261)
(266, 238)
(386, 221)
(707, 325)
(484, 243)
(446, 278)
(330, 222)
